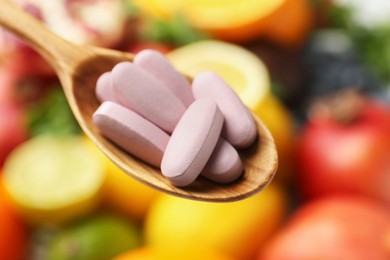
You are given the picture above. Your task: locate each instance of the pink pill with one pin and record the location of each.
(131, 132)
(104, 89)
(160, 67)
(224, 165)
(192, 142)
(239, 127)
(139, 91)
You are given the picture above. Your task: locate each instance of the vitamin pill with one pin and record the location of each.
(192, 142)
(156, 64)
(239, 127)
(104, 90)
(131, 132)
(139, 91)
(224, 165)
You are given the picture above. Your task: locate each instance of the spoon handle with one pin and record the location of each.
(54, 49)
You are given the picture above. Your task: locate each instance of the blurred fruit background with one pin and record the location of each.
(317, 72)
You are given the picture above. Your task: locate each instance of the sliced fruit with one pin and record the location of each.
(286, 21)
(237, 229)
(240, 68)
(99, 237)
(53, 179)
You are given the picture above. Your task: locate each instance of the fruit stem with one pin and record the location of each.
(343, 106)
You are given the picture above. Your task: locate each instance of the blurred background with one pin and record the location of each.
(317, 72)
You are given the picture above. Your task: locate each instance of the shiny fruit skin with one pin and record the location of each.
(237, 229)
(13, 231)
(97, 237)
(12, 129)
(127, 195)
(160, 253)
(122, 193)
(352, 157)
(338, 227)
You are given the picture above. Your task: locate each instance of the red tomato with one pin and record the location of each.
(13, 232)
(333, 228)
(347, 157)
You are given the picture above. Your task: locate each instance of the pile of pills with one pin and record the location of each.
(150, 110)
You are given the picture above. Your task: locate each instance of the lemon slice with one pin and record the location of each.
(239, 67)
(53, 179)
(228, 13)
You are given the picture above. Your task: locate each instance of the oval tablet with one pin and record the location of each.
(160, 67)
(144, 94)
(239, 127)
(131, 132)
(192, 142)
(224, 165)
(104, 90)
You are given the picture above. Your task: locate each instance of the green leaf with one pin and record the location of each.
(52, 115)
(176, 32)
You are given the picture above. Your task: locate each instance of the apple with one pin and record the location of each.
(342, 227)
(346, 150)
(18, 88)
(12, 129)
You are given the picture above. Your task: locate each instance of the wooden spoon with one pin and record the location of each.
(79, 66)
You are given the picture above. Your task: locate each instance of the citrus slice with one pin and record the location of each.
(216, 14)
(237, 20)
(239, 67)
(53, 179)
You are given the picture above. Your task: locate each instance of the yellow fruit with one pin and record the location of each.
(237, 229)
(281, 125)
(239, 67)
(160, 253)
(123, 193)
(248, 76)
(53, 179)
(127, 195)
(287, 22)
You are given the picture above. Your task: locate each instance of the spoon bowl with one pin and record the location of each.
(78, 68)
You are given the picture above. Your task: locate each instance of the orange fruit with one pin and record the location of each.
(237, 229)
(291, 23)
(160, 253)
(285, 21)
(13, 232)
(281, 125)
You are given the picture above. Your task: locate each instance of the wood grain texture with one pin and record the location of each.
(78, 68)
